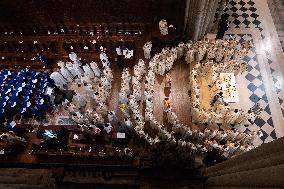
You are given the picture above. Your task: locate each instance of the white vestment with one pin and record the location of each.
(73, 56)
(103, 57)
(88, 71)
(95, 69)
(78, 70)
(163, 26)
(69, 66)
(66, 74)
(147, 50)
(58, 79)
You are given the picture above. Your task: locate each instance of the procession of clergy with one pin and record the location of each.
(215, 126)
(207, 59)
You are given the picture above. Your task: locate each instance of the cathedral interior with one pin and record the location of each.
(172, 94)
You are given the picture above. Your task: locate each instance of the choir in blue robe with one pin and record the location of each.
(23, 93)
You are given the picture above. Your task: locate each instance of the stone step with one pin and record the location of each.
(266, 177)
(253, 155)
(277, 159)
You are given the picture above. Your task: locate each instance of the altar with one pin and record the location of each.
(229, 87)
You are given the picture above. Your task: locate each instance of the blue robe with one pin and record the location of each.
(43, 59)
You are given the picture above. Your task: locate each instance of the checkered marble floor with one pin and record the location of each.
(243, 14)
(250, 20)
(256, 92)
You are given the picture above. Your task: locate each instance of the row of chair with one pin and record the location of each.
(94, 47)
(28, 47)
(27, 51)
(111, 29)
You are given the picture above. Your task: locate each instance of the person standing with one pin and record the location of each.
(119, 58)
(147, 50)
(163, 26)
(223, 26)
(43, 59)
(65, 72)
(95, 69)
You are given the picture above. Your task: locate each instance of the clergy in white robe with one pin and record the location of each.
(95, 69)
(69, 66)
(103, 57)
(163, 26)
(65, 72)
(78, 70)
(147, 50)
(73, 56)
(58, 79)
(88, 71)
(180, 49)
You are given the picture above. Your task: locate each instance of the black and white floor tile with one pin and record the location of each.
(243, 14)
(251, 20)
(257, 92)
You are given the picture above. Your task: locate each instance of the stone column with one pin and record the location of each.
(262, 167)
(199, 17)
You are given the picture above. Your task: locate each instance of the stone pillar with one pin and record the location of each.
(262, 167)
(199, 17)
